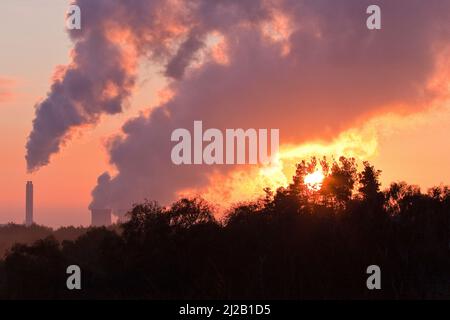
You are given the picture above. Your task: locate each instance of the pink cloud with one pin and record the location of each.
(325, 75)
(308, 67)
(6, 89)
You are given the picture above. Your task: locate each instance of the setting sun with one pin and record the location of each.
(314, 180)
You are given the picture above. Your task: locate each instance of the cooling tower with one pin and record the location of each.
(121, 215)
(100, 217)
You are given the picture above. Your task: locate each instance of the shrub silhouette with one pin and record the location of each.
(294, 243)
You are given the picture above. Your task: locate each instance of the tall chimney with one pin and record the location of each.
(29, 204)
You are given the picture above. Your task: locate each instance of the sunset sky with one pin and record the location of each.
(314, 71)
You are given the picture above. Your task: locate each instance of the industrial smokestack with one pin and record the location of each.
(100, 217)
(29, 204)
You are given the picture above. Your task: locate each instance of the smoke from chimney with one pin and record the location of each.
(310, 68)
(100, 217)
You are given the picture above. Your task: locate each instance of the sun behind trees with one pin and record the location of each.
(298, 242)
(335, 184)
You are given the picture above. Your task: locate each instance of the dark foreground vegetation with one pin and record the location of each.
(295, 243)
(15, 233)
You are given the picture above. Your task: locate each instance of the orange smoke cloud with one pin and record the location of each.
(247, 184)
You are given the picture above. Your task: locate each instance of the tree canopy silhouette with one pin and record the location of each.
(294, 243)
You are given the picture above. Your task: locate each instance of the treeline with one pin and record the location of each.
(17, 233)
(295, 243)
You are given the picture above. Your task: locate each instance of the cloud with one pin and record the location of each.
(310, 68)
(113, 36)
(315, 78)
(102, 73)
(6, 89)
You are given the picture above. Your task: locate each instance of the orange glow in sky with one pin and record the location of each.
(314, 180)
(406, 146)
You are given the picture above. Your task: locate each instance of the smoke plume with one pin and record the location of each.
(310, 68)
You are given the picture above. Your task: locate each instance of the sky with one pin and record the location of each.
(136, 73)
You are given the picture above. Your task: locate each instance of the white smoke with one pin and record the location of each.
(308, 67)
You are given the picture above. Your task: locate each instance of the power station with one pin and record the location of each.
(29, 204)
(100, 217)
(103, 217)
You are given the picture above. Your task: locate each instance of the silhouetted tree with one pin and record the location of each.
(294, 243)
(188, 212)
(338, 184)
(36, 271)
(369, 181)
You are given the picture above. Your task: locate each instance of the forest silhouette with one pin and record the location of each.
(294, 243)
